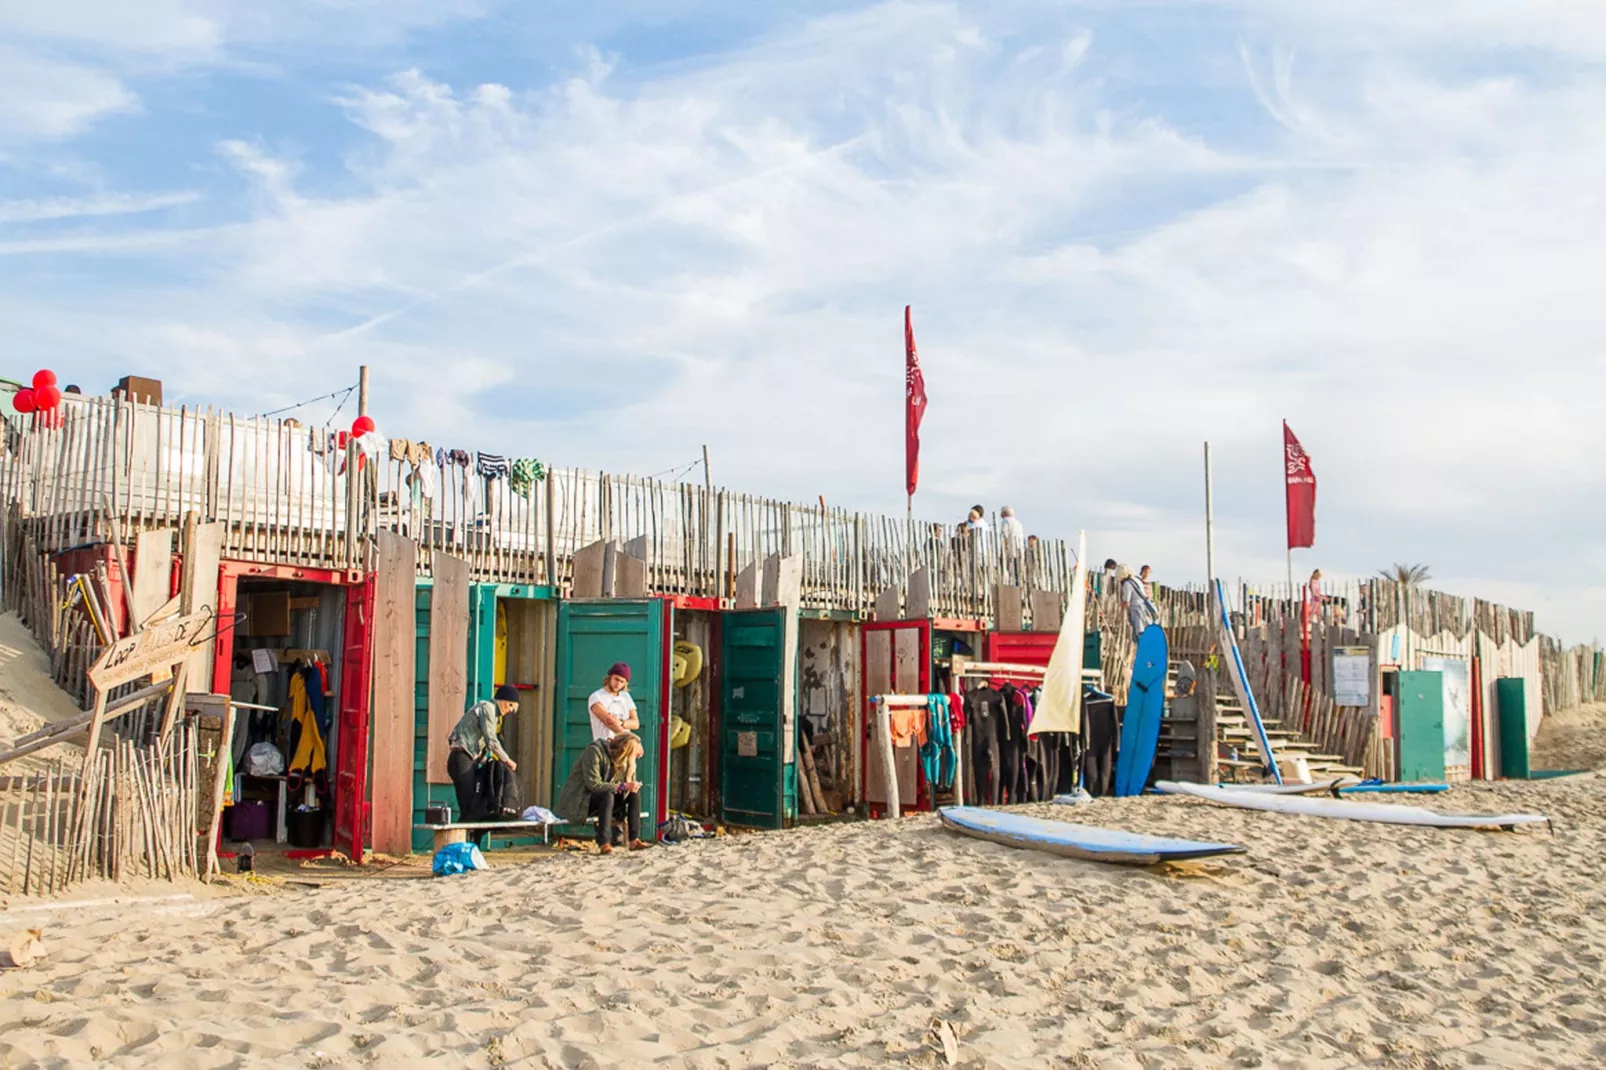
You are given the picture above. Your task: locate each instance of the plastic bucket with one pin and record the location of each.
(305, 828)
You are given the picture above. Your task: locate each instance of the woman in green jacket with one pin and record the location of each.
(596, 788)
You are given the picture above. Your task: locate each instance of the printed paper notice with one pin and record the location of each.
(263, 661)
(1352, 676)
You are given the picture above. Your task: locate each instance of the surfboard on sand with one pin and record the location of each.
(1331, 786)
(1382, 813)
(1076, 841)
(1240, 682)
(1145, 706)
(1395, 789)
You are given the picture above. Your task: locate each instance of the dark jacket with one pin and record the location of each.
(592, 772)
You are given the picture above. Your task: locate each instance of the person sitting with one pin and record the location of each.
(597, 787)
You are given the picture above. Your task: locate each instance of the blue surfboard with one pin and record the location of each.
(1145, 706)
(1076, 841)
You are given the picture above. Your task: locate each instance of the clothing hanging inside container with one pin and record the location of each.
(309, 761)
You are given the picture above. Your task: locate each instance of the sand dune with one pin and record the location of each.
(1330, 945)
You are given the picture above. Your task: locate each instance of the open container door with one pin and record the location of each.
(592, 635)
(896, 656)
(351, 759)
(758, 770)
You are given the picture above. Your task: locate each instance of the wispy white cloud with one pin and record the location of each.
(111, 204)
(614, 264)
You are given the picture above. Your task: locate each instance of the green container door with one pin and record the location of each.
(592, 635)
(424, 792)
(758, 786)
(1421, 727)
(1511, 698)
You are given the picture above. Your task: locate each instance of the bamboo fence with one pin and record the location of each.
(133, 815)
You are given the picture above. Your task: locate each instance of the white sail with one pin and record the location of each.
(1061, 707)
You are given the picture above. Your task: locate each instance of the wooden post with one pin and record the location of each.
(889, 765)
(175, 698)
(362, 390)
(959, 767)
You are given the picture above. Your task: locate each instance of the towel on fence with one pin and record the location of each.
(491, 466)
(524, 475)
(399, 448)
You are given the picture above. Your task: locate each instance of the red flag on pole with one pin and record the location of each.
(1301, 492)
(914, 404)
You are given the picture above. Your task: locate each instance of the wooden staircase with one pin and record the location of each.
(1238, 755)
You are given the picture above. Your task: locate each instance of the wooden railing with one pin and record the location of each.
(288, 494)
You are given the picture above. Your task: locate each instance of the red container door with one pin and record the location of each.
(896, 659)
(351, 760)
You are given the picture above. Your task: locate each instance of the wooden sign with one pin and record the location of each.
(152, 650)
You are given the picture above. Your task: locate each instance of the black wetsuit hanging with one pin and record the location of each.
(984, 720)
(1100, 734)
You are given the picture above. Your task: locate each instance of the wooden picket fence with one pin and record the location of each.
(132, 815)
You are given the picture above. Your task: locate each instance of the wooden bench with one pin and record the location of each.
(457, 832)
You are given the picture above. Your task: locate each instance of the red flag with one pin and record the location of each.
(1301, 492)
(914, 405)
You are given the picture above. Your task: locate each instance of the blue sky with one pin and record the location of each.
(607, 234)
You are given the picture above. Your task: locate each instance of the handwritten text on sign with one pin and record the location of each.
(157, 648)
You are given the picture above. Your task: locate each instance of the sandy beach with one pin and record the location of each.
(1331, 944)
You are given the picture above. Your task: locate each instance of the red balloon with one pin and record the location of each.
(46, 398)
(43, 377)
(362, 425)
(24, 401)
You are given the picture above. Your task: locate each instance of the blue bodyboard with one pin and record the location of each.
(1076, 841)
(1145, 707)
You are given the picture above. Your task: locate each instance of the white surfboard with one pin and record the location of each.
(1087, 842)
(1061, 707)
(1345, 810)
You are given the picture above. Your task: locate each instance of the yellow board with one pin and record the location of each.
(499, 666)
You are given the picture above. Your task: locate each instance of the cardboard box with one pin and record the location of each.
(267, 615)
(138, 388)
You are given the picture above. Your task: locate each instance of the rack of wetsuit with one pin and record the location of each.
(1005, 762)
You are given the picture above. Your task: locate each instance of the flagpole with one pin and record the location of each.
(1210, 545)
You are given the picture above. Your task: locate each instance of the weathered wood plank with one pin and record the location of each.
(395, 655)
(448, 659)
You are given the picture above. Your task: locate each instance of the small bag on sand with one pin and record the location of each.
(457, 858)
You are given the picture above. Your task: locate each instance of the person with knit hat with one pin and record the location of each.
(475, 745)
(613, 711)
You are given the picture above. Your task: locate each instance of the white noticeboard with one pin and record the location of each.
(1352, 676)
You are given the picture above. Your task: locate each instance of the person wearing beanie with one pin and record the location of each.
(475, 750)
(613, 711)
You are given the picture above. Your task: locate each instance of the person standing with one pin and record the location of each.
(613, 711)
(474, 746)
(1140, 610)
(1011, 530)
(1148, 584)
(599, 786)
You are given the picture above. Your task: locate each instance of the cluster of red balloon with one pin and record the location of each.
(43, 396)
(362, 425)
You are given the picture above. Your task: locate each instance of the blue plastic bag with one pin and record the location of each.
(457, 858)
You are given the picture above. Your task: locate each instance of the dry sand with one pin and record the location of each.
(1331, 944)
(29, 698)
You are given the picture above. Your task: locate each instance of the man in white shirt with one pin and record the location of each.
(613, 711)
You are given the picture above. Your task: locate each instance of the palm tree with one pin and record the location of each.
(1406, 575)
